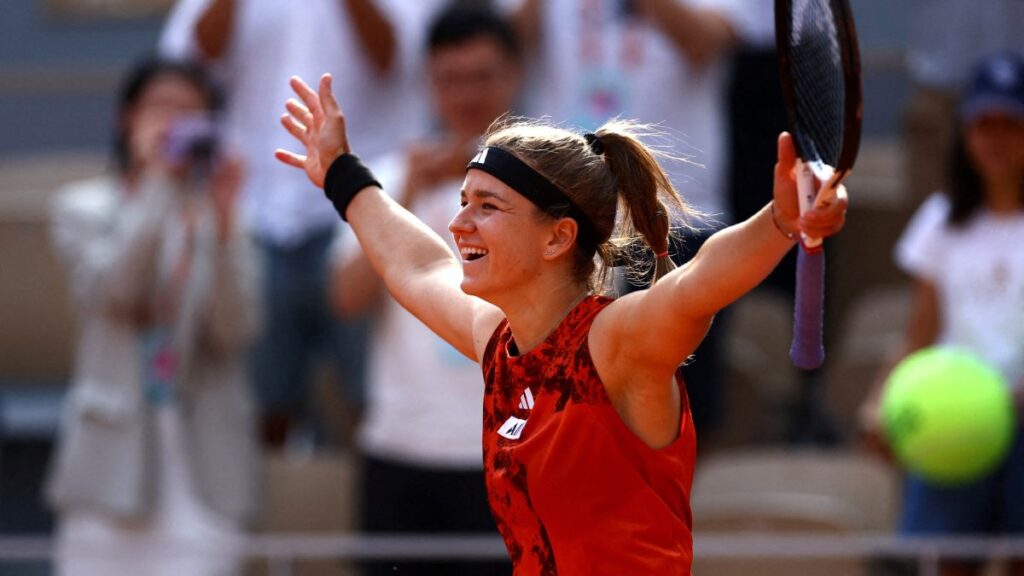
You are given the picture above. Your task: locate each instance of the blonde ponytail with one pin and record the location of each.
(649, 200)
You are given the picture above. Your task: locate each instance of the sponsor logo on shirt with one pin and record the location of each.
(513, 427)
(526, 400)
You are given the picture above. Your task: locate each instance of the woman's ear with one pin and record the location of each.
(562, 239)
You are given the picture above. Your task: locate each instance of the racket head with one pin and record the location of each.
(819, 65)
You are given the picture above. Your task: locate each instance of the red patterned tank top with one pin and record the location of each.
(573, 491)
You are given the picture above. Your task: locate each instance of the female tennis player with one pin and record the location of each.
(588, 445)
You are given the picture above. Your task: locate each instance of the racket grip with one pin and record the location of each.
(807, 351)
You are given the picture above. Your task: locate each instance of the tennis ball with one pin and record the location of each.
(948, 416)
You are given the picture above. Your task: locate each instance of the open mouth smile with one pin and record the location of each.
(470, 254)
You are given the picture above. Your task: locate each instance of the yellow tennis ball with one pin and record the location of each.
(948, 416)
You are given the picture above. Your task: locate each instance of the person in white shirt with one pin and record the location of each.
(963, 250)
(370, 46)
(663, 63)
(421, 432)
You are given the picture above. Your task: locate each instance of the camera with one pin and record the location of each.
(193, 141)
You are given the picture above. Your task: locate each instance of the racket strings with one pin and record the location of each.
(818, 84)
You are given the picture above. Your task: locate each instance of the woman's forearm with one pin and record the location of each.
(527, 21)
(731, 263)
(213, 29)
(701, 34)
(398, 245)
(375, 33)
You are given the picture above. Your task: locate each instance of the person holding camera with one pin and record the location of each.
(155, 468)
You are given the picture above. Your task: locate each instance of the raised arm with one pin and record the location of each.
(639, 340)
(701, 33)
(527, 21)
(416, 265)
(663, 325)
(375, 32)
(213, 28)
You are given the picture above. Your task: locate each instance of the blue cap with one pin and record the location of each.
(997, 86)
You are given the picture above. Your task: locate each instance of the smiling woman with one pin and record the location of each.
(588, 443)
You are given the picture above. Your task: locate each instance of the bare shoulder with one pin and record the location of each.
(612, 324)
(609, 337)
(636, 334)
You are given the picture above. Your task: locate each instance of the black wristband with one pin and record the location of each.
(345, 178)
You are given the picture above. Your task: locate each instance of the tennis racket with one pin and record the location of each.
(819, 64)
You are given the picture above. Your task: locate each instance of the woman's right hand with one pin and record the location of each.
(318, 123)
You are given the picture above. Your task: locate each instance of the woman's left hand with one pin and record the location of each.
(825, 219)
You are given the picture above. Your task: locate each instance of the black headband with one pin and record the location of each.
(518, 175)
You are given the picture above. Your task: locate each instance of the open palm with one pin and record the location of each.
(319, 125)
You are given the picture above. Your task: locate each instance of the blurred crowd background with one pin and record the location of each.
(416, 100)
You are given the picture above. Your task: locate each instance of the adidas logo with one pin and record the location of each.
(526, 400)
(513, 427)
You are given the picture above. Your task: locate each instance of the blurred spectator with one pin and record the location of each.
(945, 39)
(156, 464)
(963, 249)
(368, 45)
(421, 436)
(661, 62)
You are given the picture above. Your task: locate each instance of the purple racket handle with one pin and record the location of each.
(807, 351)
